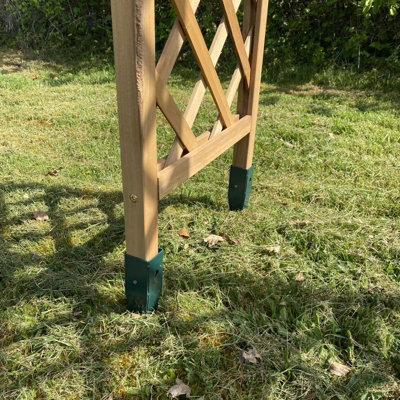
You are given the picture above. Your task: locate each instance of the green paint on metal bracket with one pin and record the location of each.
(143, 282)
(240, 184)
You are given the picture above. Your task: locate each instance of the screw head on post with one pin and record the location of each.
(133, 198)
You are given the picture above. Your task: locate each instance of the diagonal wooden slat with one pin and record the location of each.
(234, 28)
(199, 47)
(200, 88)
(172, 47)
(174, 116)
(233, 86)
(172, 176)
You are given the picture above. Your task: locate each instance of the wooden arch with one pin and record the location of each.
(141, 87)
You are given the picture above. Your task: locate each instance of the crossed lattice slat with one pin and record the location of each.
(186, 26)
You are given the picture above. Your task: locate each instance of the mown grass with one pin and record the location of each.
(326, 190)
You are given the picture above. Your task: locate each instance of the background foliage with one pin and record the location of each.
(312, 32)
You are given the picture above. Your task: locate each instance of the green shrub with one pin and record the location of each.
(361, 33)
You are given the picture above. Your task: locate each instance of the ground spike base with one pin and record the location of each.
(240, 185)
(143, 282)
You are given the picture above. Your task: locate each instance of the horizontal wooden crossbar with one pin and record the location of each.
(175, 174)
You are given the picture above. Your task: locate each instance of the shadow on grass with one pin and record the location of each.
(367, 101)
(284, 319)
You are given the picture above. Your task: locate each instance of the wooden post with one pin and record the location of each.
(242, 170)
(248, 101)
(141, 86)
(134, 48)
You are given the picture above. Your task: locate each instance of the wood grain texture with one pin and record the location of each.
(244, 150)
(172, 47)
(174, 116)
(234, 28)
(200, 88)
(134, 48)
(199, 47)
(234, 84)
(175, 174)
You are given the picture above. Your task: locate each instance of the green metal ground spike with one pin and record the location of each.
(143, 282)
(240, 185)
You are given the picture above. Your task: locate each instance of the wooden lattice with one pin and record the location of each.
(142, 85)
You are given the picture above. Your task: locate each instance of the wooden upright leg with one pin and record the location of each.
(242, 169)
(134, 47)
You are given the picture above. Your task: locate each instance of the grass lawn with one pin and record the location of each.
(326, 195)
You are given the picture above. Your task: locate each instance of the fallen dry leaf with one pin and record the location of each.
(186, 246)
(338, 369)
(212, 240)
(300, 277)
(288, 144)
(26, 197)
(230, 239)
(55, 78)
(53, 172)
(283, 303)
(301, 224)
(40, 216)
(34, 77)
(184, 233)
(179, 389)
(250, 356)
(273, 249)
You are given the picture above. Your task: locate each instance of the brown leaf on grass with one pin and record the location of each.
(250, 356)
(186, 246)
(212, 240)
(184, 233)
(55, 78)
(300, 277)
(301, 224)
(53, 172)
(288, 144)
(179, 389)
(40, 216)
(229, 239)
(34, 77)
(338, 369)
(273, 249)
(26, 197)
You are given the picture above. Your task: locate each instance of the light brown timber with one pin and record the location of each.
(174, 116)
(172, 176)
(134, 47)
(199, 47)
(200, 88)
(172, 47)
(234, 28)
(233, 86)
(244, 150)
